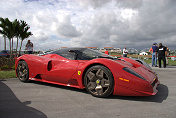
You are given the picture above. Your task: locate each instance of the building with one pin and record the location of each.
(143, 53)
(93, 48)
(111, 49)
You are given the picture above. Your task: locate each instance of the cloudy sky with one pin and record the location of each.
(100, 23)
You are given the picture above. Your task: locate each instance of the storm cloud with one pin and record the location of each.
(101, 23)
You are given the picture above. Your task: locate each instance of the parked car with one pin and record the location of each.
(101, 75)
(5, 53)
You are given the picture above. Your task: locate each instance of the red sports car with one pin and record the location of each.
(99, 73)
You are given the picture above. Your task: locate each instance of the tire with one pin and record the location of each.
(99, 81)
(22, 71)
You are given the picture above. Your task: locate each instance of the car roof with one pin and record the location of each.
(4, 51)
(66, 49)
(72, 48)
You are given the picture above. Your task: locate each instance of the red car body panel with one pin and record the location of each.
(56, 69)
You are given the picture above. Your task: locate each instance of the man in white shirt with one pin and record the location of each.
(125, 52)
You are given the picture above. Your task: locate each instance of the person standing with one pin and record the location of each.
(125, 52)
(161, 55)
(154, 54)
(167, 54)
(29, 47)
(106, 52)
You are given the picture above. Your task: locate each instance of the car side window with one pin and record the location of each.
(85, 55)
(65, 54)
(69, 55)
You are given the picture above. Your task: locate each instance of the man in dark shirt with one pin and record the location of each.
(161, 55)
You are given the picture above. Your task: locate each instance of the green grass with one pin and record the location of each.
(148, 60)
(7, 74)
(171, 63)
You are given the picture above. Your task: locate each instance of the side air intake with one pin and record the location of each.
(49, 67)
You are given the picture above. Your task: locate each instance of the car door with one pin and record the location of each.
(62, 68)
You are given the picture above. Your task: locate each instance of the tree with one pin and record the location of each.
(16, 25)
(2, 30)
(6, 27)
(24, 32)
(14, 29)
(9, 29)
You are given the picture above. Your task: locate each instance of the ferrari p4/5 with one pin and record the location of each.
(100, 74)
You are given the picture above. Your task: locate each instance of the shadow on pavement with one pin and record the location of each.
(159, 97)
(60, 86)
(11, 107)
(171, 66)
(167, 67)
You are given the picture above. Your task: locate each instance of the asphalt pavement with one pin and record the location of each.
(41, 100)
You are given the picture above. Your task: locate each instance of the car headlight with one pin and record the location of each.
(133, 73)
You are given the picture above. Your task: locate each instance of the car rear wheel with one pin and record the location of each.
(23, 71)
(99, 81)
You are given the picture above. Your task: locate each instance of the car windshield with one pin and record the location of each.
(80, 54)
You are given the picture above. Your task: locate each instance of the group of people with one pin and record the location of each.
(160, 52)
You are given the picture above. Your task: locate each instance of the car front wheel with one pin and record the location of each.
(99, 81)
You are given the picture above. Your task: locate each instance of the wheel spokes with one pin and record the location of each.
(91, 76)
(23, 66)
(25, 71)
(19, 67)
(105, 83)
(91, 85)
(99, 90)
(100, 73)
(20, 74)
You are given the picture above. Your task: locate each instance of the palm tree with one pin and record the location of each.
(6, 26)
(16, 25)
(2, 30)
(9, 33)
(24, 32)
(14, 29)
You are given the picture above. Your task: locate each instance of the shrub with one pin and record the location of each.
(6, 63)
